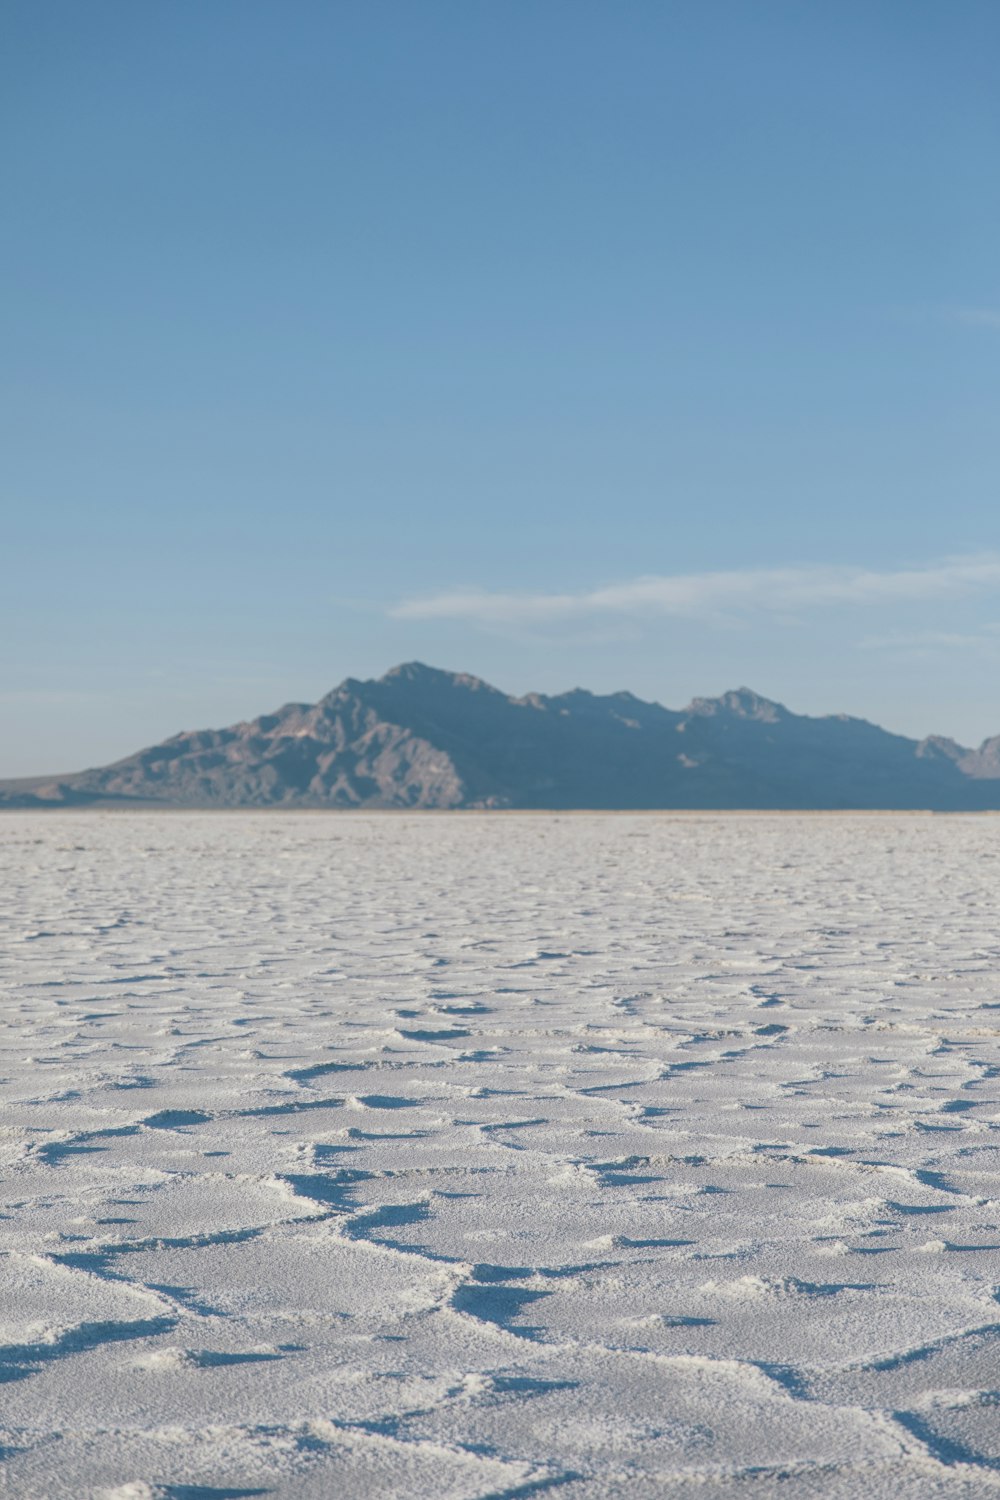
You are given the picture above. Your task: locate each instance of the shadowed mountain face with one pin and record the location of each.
(422, 738)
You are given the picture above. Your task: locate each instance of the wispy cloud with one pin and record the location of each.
(977, 317)
(986, 638)
(955, 314)
(773, 591)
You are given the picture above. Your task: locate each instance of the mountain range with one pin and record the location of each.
(423, 738)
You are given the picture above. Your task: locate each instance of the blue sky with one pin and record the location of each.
(647, 345)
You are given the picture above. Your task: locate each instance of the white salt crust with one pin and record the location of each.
(468, 1156)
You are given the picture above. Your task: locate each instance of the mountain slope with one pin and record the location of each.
(422, 738)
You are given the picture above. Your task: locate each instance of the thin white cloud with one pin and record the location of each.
(774, 591)
(978, 317)
(986, 638)
(953, 314)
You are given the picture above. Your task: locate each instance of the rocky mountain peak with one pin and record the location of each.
(740, 703)
(415, 674)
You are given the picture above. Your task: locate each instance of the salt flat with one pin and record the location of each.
(464, 1156)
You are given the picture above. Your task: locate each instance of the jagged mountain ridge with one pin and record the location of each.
(424, 738)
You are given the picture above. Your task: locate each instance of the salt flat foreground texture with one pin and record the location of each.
(467, 1156)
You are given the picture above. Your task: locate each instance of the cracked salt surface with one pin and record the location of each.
(475, 1156)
